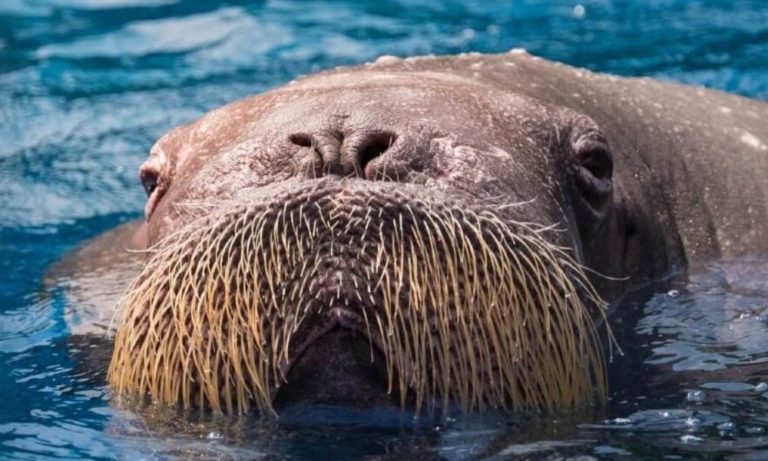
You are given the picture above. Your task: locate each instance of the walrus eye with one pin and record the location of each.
(594, 168)
(149, 181)
(598, 163)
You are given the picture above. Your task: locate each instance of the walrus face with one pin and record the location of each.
(363, 237)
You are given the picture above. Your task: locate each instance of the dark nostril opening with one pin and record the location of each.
(376, 145)
(301, 139)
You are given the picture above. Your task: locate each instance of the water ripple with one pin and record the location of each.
(86, 86)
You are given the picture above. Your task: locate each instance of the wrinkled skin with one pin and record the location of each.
(639, 178)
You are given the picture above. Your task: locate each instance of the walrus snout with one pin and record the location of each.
(452, 301)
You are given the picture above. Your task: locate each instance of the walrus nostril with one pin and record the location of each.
(334, 153)
(374, 147)
(301, 139)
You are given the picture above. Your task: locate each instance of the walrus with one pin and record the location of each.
(425, 232)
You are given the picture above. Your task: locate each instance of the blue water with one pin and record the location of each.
(86, 86)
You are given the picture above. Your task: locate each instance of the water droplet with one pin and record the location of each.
(673, 293)
(690, 439)
(696, 396)
(214, 436)
(762, 387)
(726, 426)
(579, 11)
(622, 421)
(468, 34)
(754, 430)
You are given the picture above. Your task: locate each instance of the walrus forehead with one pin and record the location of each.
(450, 102)
(401, 96)
(368, 78)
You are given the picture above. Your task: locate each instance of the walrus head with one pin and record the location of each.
(366, 237)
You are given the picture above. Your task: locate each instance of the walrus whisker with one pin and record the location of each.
(604, 276)
(463, 305)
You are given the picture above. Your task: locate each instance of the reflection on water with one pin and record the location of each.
(695, 372)
(87, 85)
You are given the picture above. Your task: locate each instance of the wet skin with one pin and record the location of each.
(638, 178)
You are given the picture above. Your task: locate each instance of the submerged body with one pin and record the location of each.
(427, 230)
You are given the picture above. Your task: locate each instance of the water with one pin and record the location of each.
(87, 85)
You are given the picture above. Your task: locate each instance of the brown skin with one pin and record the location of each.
(642, 177)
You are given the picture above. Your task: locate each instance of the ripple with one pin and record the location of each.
(157, 36)
(108, 4)
(27, 328)
(86, 86)
(718, 322)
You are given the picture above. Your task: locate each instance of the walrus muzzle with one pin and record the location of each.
(465, 304)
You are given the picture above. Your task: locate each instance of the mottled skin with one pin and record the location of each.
(642, 177)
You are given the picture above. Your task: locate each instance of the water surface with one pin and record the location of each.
(86, 86)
